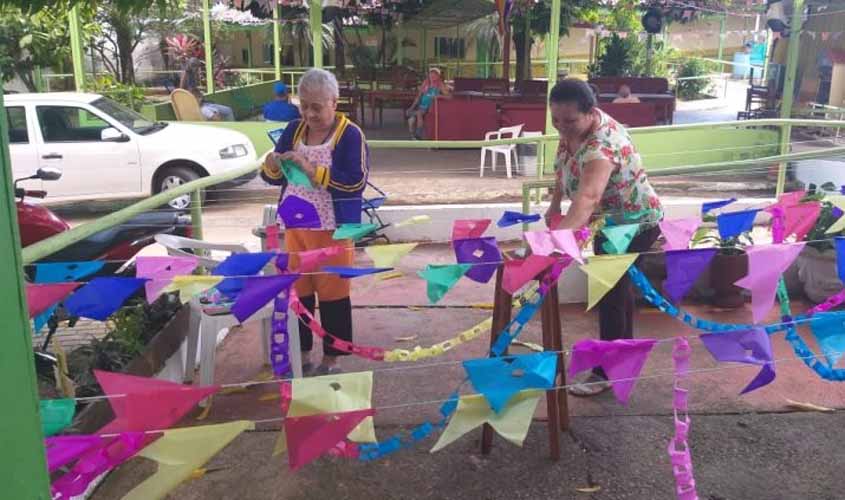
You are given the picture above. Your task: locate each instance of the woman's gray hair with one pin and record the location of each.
(319, 80)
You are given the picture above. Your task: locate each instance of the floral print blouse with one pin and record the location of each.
(628, 197)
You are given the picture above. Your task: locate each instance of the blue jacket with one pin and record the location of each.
(281, 111)
(345, 178)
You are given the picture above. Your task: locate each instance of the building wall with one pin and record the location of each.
(822, 33)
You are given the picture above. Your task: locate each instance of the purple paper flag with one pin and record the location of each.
(160, 271)
(297, 213)
(679, 232)
(744, 346)
(622, 360)
(62, 450)
(258, 291)
(478, 251)
(682, 269)
(766, 264)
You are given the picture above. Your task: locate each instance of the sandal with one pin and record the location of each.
(591, 386)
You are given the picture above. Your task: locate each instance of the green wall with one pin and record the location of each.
(245, 102)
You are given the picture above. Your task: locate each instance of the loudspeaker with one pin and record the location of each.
(652, 21)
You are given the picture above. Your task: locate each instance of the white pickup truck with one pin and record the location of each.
(105, 150)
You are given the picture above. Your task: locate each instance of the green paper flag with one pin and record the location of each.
(441, 278)
(56, 414)
(294, 174)
(353, 231)
(619, 237)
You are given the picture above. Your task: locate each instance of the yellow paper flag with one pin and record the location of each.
(603, 271)
(335, 394)
(180, 452)
(417, 219)
(511, 423)
(388, 255)
(281, 445)
(188, 286)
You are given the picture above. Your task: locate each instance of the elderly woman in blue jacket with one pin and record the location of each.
(332, 151)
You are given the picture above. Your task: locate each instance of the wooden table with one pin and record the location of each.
(377, 98)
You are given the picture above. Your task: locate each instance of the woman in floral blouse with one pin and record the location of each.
(599, 170)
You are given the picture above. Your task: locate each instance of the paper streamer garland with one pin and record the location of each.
(679, 452)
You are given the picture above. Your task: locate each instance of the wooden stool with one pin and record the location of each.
(556, 403)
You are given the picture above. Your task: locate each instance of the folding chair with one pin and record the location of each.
(370, 207)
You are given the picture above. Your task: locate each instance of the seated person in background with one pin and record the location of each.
(280, 108)
(431, 88)
(624, 96)
(211, 111)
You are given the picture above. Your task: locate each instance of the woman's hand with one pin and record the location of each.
(271, 162)
(551, 213)
(309, 168)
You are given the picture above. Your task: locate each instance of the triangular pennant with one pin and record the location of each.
(258, 291)
(511, 423)
(837, 226)
(499, 379)
(189, 286)
(42, 319)
(310, 436)
(566, 242)
(766, 264)
(744, 346)
(683, 268)
(312, 260)
(622, 360)
(441, 278)
(297, 213)
(840, 257)
(469, 228)
(801, 218)
(416, 219)
(62, 272)
(243, 264)
(388, 255)
(41, 297)
(829, 330)
(180, 452)
(713, 205)
(619, 237)
(518, 272)
(354, 272)
(294, 175)
(477, 251)
(679, 232)
(333, 394)
(353, 231)
(509, 218)
(101, 297)
(540, 242)
(791, 198)
(271, 239)
(62, 450)
(56, 414)
(733, 224)
(603, 271)
(132, 401)
(160, 271)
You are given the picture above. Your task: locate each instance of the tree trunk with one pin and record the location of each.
(125, 39)
(339, 47)
(506, 54)
(522, 44)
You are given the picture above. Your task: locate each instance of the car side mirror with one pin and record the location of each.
(112, 134)
(48, 174)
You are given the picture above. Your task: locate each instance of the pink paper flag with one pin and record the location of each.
(801, 218)
(311, 436)
(679, 232)
(540, 242)
(520, 271)
(766, 264)
(465, 229)
(622, 361)
(272, 237)
(566, 241)
(161, 271)
(791, 198)
(147, 403)
(312, 260)
(40, 297)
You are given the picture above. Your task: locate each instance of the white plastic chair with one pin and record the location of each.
(205, 329)
(507, 150)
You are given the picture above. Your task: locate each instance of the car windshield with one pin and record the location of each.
(129, 118)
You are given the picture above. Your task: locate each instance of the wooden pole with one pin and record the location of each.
(277, 40)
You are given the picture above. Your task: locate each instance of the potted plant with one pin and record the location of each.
(729, 264)
(817, 261)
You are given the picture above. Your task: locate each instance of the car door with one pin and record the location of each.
(24, 153)
(70, 139)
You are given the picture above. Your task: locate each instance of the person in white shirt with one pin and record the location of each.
(623, 96)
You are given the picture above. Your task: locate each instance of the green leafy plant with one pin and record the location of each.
(694, 88)
(131, 96)
(618, 57)
(818, 237)
(710, 237)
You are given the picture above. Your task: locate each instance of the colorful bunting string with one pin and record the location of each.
(679, 450)
(101, 297)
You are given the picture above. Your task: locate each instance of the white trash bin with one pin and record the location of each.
(528, 155)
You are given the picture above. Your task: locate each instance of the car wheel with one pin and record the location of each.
(173, 177)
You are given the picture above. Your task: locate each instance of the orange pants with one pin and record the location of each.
(329, 287)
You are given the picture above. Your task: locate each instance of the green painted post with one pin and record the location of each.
(196, 214)
(38, 76)
(722, 21)
(22, 461)
(316, 21)
(76, 49)
(425, 50)
(789, 87)
(249, 49)
(209, 55)
(277, 40)
(400, 49)
(552, 40)
(766, 56)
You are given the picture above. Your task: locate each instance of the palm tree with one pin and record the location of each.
(485, 32)
(298, 32)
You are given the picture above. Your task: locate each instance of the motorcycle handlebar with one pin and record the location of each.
(35, 194)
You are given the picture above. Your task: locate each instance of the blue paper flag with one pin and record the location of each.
(354, 272)
(243, 264)
(42, 319)
(733, 224)
(499, 379)
(100, 297)
(513, 218)
(63, 272)
(840, 257)
(829, 330)
(713, 205)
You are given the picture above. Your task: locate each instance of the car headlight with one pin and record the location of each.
(235, 151)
